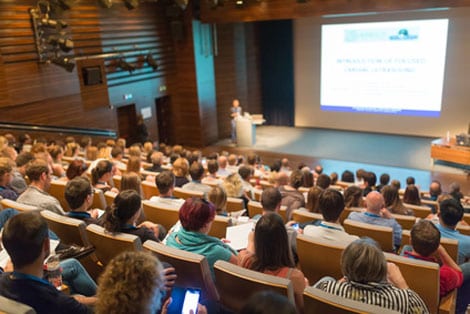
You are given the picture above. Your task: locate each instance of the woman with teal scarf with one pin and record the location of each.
(196, 217)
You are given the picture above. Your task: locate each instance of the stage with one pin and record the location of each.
(400, 156)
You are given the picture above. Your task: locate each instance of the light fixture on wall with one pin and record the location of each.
(151, 61)
(131, 4)
(106, 3)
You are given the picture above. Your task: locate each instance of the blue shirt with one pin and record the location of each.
(464, 241)
(373, 219)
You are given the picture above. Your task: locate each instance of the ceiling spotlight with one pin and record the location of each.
(64, 43)
(151, 61)
(123, 64)
(239, 2)
(64, 62)
(106, 3)
(131, 4)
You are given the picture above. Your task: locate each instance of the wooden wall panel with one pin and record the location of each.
(254, 10)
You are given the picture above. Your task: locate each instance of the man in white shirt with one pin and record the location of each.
(197, 172)
(331, 204)
(165, 182)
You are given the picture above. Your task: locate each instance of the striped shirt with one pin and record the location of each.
(383, 295)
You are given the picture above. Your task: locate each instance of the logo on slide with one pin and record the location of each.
(403, 34)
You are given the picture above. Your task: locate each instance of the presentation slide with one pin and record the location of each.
(384, 67)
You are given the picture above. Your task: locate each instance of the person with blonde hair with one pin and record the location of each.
(134, 164)
(132, 283)
(218, 197)
(180, 170)
(57, 153)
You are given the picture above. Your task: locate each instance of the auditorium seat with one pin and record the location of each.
(98, 200)
(236, 285)
(185, 194)
(406, 222)
(383, 235)
(6, 203)
(219, 226)
(234, 204)
(108, 245)
(345, 213)
(305, 216)
(109, 196)
(318, 301)
(57, 189)
(319, 257)
(9, 306)
(254, 208)
(420, 211)
(163, 215)
(192, 269)
(423, 278)
(117, 181)
(149, 189)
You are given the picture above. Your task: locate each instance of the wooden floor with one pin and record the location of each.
(313, 146)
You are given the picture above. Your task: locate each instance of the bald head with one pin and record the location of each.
(435, 188)
(222, 162)
(375, 202)
(282, 179)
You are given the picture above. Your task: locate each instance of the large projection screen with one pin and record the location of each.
(429, 97)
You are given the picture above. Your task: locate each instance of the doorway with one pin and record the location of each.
(164, 120)
(127, 121)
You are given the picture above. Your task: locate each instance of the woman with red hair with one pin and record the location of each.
(196, 217)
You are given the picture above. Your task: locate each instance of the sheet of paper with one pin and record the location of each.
(238, 235)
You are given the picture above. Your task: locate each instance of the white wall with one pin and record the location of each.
(455, 115)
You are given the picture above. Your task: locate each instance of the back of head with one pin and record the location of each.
(370, 178)
(353, 196)
(76, 168)
(271, 254)
(251, 159)
(267, 302)
(222, 162)
(390, 195)
(156, 158)
(101, 168)
(76, 192)
(331, 204)
(116, 151)
(165, 180)
(384, 178)
(233, 185)
(270, 199)
(195, 213)
(232, 159)
(410, 180)
(126, 204)
(180, 167)
(307, 178)
(23, 237)
(212, 166)
(5, 166)
(36, 168)
(396, 184)
(196, 170)
(318, 169)
(23, 159)
(435, 188)
(245, 172)
(313, 197)
(450, 212)
(131, 283)
(131, 181)
(363, 261)
(425, 237)
(347, 176)
(296, 179)
(323, 181)
(411, 195)
(134, 164)
(375, 202)
(218, 197)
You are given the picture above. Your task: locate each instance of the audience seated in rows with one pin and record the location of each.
(291, 197)
(180, 170)
(101, 175)
(165, 182)
(411, 195)
(196, 171)
(393, 202)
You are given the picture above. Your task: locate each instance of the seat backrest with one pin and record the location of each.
(6, 203)
(419, 210)
(109, 196)
(257, 194)
(319, 257)
(98, 200)
(57, 190)
(164, 215)
(430, 203)
(345, 213)
(318, 301)
(219, 226)
(69, 230)
(10, 306)
(451, 245)
(236, 284)
(383, 235)
(149, 189)
(234, 204)
(421, 276)
(185, 194)
(108, 245)
(192, 269)
(463, 229)
(117, 181)
(406, 222)
(305, 216)
(254, 208)
(466, 218)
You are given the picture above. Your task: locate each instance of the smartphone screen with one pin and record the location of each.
(295, 226)
(191, 299)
